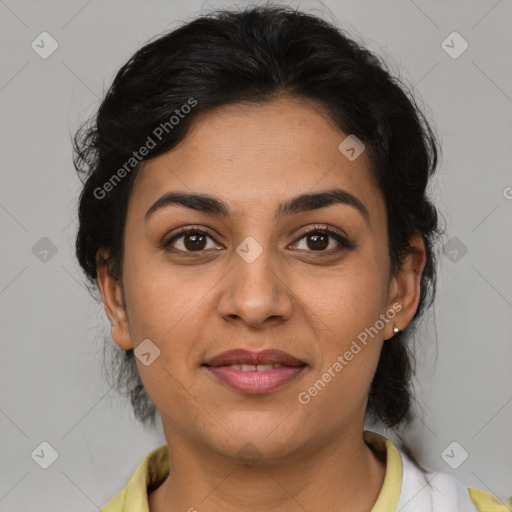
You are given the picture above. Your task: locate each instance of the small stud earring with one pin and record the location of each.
(396, 330)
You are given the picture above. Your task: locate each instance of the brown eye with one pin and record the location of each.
(194, 241)
(191, 240)
(318, 240)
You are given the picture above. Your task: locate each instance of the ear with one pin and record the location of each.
(112, 295)
(404, 287)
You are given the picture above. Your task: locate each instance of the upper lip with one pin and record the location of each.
(242, 356)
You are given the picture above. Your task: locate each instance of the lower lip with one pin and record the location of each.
(254, 382)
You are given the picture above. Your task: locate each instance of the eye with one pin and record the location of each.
(191, 240)
(318, 239)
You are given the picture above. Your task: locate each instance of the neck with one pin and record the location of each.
(343, 475)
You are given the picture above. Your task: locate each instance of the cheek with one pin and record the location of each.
(346, 308)
(159, 298)
(347, 301)
(167, 306)
(348, 352)
(165, 309)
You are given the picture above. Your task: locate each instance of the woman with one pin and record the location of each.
(254, 214)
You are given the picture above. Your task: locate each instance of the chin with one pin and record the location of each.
(254, 444)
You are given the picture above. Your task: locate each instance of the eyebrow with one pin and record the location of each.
(305, 202)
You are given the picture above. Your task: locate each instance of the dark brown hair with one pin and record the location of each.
(256, 55)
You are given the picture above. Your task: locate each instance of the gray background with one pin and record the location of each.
(52, 387)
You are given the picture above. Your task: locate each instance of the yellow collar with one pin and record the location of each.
(155, 467)
(390, 493)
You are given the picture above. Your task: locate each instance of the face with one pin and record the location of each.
(259, 276)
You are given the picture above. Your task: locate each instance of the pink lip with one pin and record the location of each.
(242, 356)
(255, 382)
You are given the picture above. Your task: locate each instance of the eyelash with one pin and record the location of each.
(342, 241)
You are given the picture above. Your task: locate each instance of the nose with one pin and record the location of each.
(256, 292)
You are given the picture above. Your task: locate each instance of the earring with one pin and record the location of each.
(396, 330)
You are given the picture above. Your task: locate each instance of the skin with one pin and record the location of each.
(306, 302)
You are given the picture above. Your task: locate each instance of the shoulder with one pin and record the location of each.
(116, 504)
(407, 488)
(149, 474)
(440, 492)
(486, 502)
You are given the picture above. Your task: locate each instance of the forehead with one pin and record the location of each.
(256, 155)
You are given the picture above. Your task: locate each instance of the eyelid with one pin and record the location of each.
(338, 235)
(184, 230)
(322, 227)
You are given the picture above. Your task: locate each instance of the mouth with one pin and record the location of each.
(255, 372)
